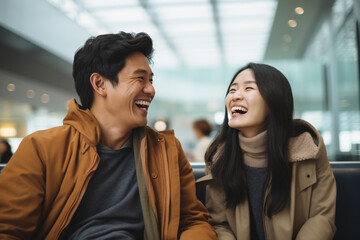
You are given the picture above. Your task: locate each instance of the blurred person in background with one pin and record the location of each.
(202, 130)
(104, 174)
(268, 174)
(5, 151)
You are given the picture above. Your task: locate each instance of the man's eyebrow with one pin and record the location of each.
(142, 71)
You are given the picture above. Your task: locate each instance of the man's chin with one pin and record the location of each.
(142, 124)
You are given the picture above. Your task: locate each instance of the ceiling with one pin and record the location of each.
(204, 33)
(196, 42)
(186, 33)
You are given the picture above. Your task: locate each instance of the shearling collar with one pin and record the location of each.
(306, 145)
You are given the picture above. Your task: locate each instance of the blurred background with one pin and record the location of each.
(199, 45)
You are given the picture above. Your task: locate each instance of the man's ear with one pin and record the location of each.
(98, 83)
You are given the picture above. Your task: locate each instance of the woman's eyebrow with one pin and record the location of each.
(250, 81)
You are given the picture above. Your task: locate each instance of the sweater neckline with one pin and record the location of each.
(254, 150)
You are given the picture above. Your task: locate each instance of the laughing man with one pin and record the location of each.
(104, 174)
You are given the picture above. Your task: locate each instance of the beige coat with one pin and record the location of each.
(311, 212)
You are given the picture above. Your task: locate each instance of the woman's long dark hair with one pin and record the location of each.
(225, 155)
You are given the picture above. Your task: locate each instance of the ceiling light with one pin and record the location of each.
(299, 10)
(45, 98)
(11, 87)
(284, 47)
(292, 23)
(219, 118)
(287, 38)
(30, 93)
(160, 125)
(8, 132)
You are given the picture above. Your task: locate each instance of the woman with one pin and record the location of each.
(271, 178)
(202, 130)
(5, 151)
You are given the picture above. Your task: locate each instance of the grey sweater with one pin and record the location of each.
(254, 154)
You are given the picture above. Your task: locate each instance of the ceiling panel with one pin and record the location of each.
(122, 15)
(265, 8)
(188, 33)
(176, 2)
(190, 29)
(96, 4)
(183, 11)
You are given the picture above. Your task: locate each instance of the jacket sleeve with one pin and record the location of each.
(321, 222)
(193, 214)
(21, 191)
(215, 203)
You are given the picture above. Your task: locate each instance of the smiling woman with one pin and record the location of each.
(267, 171)
(247, 110)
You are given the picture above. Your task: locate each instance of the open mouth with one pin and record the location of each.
(144, 105)
(238, 110)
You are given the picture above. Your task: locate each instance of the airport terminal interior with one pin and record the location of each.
(199, 45)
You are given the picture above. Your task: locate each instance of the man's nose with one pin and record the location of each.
(149, 89)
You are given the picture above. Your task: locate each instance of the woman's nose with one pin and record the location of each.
(238, 95)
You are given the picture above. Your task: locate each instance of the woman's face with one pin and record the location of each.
(247, 110)
(3, 148)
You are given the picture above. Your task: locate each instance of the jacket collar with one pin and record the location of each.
(84, 122)
(302, 147)
(307, 145)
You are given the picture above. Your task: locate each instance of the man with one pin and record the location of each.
(104, 174)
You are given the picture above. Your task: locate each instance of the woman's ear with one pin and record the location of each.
(98, 83)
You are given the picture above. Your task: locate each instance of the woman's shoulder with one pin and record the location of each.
(306, 142)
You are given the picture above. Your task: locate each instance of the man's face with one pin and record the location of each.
(129, 100)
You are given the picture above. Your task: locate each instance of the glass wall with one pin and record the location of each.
(335, 48)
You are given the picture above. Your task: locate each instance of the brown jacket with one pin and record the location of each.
(45, 180)
(311, 212)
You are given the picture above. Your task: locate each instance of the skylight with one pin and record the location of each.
(191, 33)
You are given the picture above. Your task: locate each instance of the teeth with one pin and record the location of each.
(142, 103)
(234, 109)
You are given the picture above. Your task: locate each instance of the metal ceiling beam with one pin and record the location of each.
(219, 39)
(163, 33)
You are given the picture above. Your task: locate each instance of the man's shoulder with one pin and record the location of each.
(167, 136)
(49, 135)
(160, 134)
